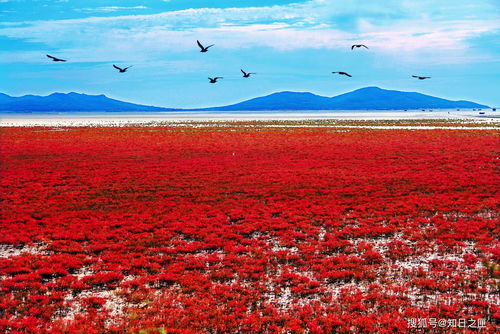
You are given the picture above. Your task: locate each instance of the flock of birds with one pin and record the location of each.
(213, 80)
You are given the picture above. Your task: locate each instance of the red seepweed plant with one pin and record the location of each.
(184, 230)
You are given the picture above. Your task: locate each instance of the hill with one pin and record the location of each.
(61, 102)
(368, 98)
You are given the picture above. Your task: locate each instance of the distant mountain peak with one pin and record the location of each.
(67, 102)
(287, 92)
(366, 98)
(370, 88)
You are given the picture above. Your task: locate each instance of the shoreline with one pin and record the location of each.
(324, 119)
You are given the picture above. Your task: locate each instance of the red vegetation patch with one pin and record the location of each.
(256, 230)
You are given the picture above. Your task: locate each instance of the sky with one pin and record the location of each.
(291, 45)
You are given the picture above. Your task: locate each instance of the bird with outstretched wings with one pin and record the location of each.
(214, 80)
(55, 58)
(122, 70)
(420, 78)
(343, 73)
(358, 46)
(246, 74)
(204, 48)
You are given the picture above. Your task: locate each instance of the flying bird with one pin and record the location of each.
(245, 74)
(122, 70)
(55, 58)
(420, 78)
(214, 80)
(343, 73)
(358, 46)
(203, 49)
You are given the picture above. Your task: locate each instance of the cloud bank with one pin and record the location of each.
(411, 29)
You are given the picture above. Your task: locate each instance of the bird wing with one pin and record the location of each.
(199, 44)
(364, 46)
(335, 72)
(219, 78)
(348, 74)
(415, 76)
(244, 73)
(118, 68)
(55, 58)
(352, 47)
(209, 46)
(126, 68)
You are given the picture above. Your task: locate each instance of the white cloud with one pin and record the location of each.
(110, 8)
(313, 24)
(415, 35)
(442, 42)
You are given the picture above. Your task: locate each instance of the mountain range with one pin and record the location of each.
(61, 102)
(369, 98)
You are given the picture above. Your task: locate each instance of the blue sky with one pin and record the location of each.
(292, 45)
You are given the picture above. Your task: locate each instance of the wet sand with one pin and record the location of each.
(489, 118)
